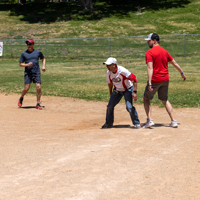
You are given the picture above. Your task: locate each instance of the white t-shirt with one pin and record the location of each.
(120, 78)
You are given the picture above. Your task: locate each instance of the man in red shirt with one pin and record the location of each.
(157, 59)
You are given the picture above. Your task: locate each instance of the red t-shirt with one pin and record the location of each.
(160, 58)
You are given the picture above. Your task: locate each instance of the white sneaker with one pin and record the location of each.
(149, 123)
(137, 126)
(174, 124)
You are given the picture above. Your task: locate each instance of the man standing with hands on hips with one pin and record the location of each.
(30, 61)
(125, 84)
(157, 59)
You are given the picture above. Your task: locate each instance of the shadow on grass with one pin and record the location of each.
(65, 11)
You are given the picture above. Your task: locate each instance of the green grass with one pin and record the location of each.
(129, 47)
(86, 79)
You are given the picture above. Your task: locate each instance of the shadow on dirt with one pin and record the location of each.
(29, 107)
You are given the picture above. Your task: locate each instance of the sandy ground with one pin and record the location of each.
(61, 152)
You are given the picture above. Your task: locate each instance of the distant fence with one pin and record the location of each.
(103, 47)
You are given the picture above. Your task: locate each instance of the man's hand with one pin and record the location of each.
(183, 76)
(29, 64)
(150, 88)
(134, 96)
(43, 69)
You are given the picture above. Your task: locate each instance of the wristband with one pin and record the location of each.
(182, 72)
(135, 91)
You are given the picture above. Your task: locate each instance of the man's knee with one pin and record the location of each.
(38, 86)
(129, 106)
(110, 107)
(27, 87)
(164, 102)
(145, 99)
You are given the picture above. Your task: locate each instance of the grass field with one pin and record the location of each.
(120, 47)
(86, 79)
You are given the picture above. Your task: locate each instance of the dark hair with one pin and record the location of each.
(155, 37)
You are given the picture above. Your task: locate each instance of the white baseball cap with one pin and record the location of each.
(110, 61)
(153, 36)
(149, 37)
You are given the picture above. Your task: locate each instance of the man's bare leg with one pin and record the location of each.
(26, 89)
(147, 107)
(39, 92)
(169, 109)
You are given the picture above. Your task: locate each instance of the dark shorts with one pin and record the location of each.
(29, 78)
(161, 88)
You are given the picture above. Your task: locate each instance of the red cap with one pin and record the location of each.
(30, 40)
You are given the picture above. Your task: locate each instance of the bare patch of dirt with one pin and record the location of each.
(61, 152)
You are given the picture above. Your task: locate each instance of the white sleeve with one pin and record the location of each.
(108, 77)
(125, 72)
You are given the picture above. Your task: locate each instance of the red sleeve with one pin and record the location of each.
(132, 77)
(149, 57)
(169, 58)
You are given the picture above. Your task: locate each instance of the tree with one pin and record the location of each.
(87, 4)
(22, 2)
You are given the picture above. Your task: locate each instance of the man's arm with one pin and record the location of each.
(135, 90)
(44, 64)
(110, 87)
(133, 78)
(25, 65)
(176, 65)
(150, 74)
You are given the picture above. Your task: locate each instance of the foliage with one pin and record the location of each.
(68, 20)
(47, 12)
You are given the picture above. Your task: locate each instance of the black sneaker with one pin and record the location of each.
(20, 101)
(107, 126)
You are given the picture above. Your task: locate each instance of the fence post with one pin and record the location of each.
(77, 47)
(110, 48)
(11, 46)
(184, 44)
(45, 49)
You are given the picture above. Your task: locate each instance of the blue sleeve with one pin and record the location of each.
(41, 56)
(22, 58)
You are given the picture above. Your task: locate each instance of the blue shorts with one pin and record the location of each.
(161, 88)
(29, 78)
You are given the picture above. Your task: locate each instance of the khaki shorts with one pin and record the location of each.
(161, 88)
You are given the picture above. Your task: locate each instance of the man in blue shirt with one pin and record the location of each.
(30, 60)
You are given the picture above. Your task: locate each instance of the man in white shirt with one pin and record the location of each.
(125, 84)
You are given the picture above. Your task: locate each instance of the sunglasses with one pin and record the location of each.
(29, 44)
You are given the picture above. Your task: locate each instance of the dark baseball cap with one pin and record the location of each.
(152, 36)
(30, 40)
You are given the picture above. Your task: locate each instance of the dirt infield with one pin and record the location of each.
(60, 153)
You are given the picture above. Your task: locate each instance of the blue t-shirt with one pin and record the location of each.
(33, 57)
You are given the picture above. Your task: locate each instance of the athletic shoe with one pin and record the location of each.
(137, 126)
(107, 126)
(149, 123)
(20, 102)
(38, 106)
(174, 124)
